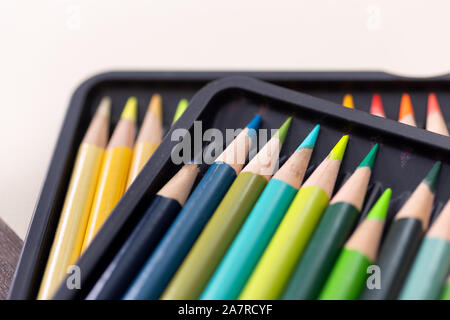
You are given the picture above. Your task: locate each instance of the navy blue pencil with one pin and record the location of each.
(169, 254)
(163, 209)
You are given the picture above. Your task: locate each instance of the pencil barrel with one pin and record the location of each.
(322, 251)
(110, 188)
(176, 243)
(273, 271)
(136, 250)
(429, 271)
(395, 258)
(348, 277)
(245, 251)
(69, 236)
(208, 250)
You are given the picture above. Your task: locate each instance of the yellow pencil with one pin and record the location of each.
(149, 137)
(114, 172)
(77, 204)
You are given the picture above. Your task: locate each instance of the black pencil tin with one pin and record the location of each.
(406, 153)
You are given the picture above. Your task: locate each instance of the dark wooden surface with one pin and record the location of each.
(10, 246)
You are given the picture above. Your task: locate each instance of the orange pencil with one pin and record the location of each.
(348, 101)
(406, 114)
(435, 120)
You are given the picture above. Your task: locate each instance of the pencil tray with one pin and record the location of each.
(405, 156)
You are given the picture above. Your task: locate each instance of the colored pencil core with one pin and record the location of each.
(380, 208)
(311, 139)
(370, 158)
(432, 177)
(130, 110)
(337, 153)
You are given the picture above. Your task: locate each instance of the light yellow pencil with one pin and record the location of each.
(75, 213)
(149, 138)
(114, 172)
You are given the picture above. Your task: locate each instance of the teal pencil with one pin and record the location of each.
(427, 276)
(247, 248)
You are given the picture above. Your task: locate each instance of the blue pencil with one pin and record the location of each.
(156, 220)
(169, 254)
(245, 251)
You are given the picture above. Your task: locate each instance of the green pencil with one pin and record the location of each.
(333, 230)
(432, 264)
(203, 258)
(273, 270)
(349, 275)
(446, 292)
(403, 239)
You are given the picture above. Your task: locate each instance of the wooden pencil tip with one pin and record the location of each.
(406, 107)
(155, 105)
(348, 101)
(181, 108)
(433, 104)
(432, 177)
(380, 208)
(376, 107)
(337, 153)
(130, 110)
(282, 132)
(104, 108)
(370, 158)
(311, 139)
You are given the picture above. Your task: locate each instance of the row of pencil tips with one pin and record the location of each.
(435, 121)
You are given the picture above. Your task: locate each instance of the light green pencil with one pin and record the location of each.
(349, 275)
(206, 253)
(275, 267)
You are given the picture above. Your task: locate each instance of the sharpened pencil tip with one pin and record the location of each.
(104, 108)
(376, 106)
(254, 124)
(406, 107)
(432, 177)
(380, 208)
(155, 105)
(370, 158)
(337, 153)
(130, 110)
(311, 139)
(282, 132)
(348, 101)
(181, 108)
(433, 104)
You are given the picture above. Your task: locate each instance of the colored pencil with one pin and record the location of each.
(181, 108)
(275, 267)
(199, 265)
(406, 114)
(145, 236)
(376, 108)
(170, 252)
(248, 246)
(347, 101)
(148, 139)
(446, 292)
(349, 275)
(403, 239)
(75, 213)
(435, 120)
(432, 264)
(332, 231)
(114, 172)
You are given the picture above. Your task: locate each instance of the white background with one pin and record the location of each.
(48, 47)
